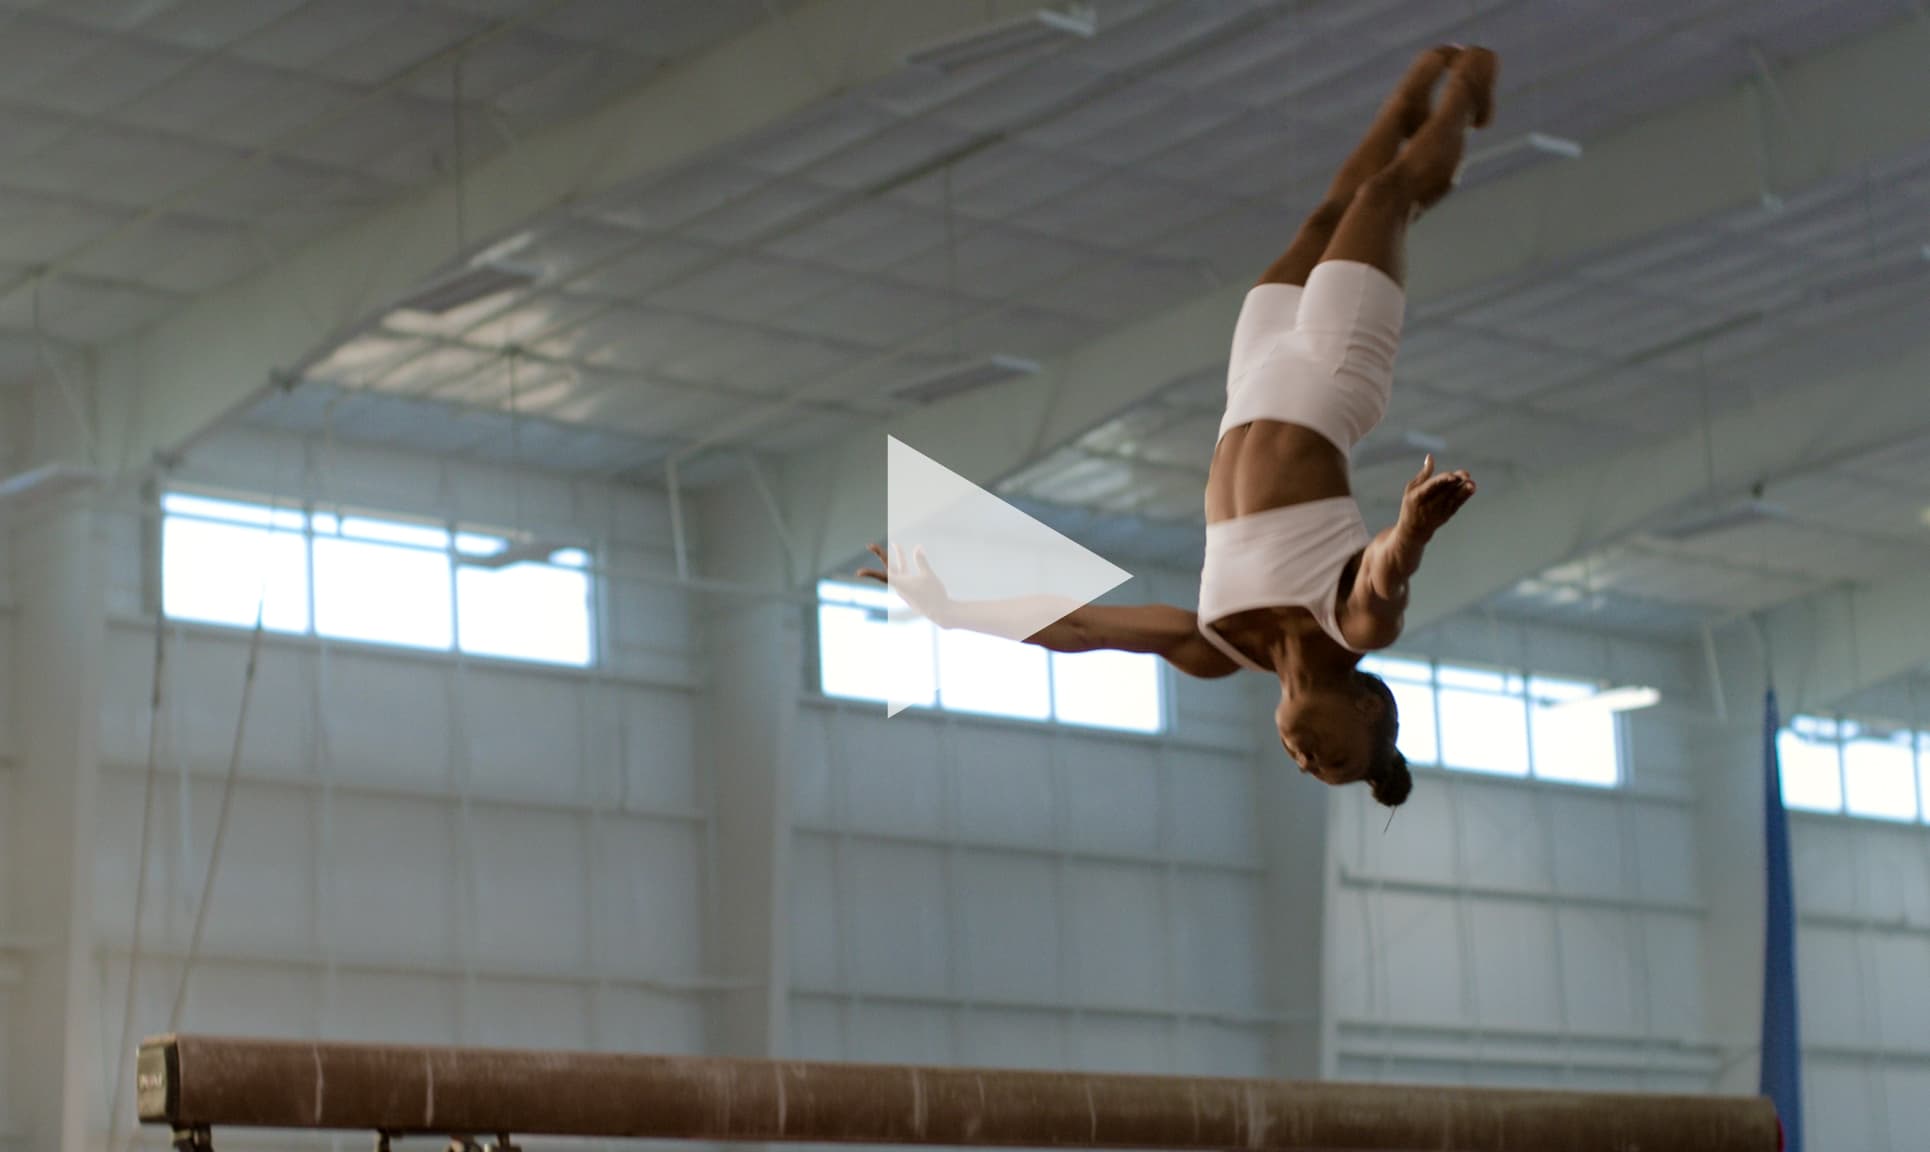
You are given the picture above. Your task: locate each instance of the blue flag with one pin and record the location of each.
(1782, 1049)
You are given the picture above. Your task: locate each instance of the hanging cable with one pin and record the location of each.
(462, 183)
(82, 422)
(227, 790)
(156, 703)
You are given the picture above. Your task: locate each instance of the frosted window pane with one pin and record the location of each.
(382, 594)
(1483, 732)
(233, 511)
(993, 675)
(525, 612)
(476, 544)
(1880, 779)
(1416, 705)
(394, 532)
(1453, 677)
(1550, 688)
(219, 573)
(1107, 690)
(1811, 778)
(863, 656)
(1813, 726)
(1576, 745)
(870, 595)
(1392, 668)
(1923, 773)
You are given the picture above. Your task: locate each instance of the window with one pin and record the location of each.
(1502, 723)
(372, 579)
(1835, 765)
(864, 653)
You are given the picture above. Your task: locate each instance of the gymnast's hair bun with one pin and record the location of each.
(1393, 783)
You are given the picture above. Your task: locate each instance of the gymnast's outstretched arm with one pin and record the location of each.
(1160, 629)
(1375, 610)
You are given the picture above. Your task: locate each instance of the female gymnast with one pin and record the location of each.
(1293, 585)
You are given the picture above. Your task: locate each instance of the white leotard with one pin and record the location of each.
(1321, 357)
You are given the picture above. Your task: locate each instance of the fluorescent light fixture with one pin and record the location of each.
(1541, 142)
(1629, 698)
(1008, 37)
(1738, 515)
(967, 377)
(466, 286)
(528, 551)
(1409, 445)
(1555, 145)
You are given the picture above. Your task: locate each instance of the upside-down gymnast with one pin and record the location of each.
(1292, 584)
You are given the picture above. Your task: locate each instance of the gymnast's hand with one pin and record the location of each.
(1432, 500)
(918, 586)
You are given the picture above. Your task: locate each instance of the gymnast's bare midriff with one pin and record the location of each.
(1263, 465)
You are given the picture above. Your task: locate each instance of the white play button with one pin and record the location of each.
(1008, 574)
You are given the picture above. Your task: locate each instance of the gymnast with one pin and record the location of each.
(1292, 584)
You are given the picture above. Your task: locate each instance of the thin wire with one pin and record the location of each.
(515, 447)
(951, 265)
(1708, 423)
(154, 722)
(81, 418)
(462, 183)
(227, 796)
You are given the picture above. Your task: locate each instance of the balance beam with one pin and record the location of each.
(198, 1083)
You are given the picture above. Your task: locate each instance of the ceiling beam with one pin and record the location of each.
(1832, 644)
(172, 382)
(1857, 104)
(1547, 519)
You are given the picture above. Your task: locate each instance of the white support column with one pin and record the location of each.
(754, 675)
(1729, 840)
(58, 656)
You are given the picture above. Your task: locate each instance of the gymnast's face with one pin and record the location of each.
(1330, 732)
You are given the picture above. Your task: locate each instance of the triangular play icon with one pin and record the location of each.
(1014, 574)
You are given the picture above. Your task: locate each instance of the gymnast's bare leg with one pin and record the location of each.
(1404, 113)
(1373, 230)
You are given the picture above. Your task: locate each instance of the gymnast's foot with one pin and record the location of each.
(1477, 68)
(1413, 97)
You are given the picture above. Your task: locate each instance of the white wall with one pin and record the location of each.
(421, 847)
(1863, 963)
(437, 849)
(1527, 933)
(987, 892)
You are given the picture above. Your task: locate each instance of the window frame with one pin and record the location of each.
(1837, 731)
(309, 511)
(1515, 684)
(814, 654)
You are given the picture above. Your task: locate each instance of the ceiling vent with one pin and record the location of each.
(1536, 143)
(466, 286)
(1021, 34)
(968, 377)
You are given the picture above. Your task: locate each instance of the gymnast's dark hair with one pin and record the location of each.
(1387, 772)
